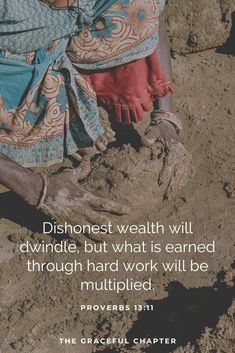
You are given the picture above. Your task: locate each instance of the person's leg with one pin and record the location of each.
(165, 126)
(164, 55)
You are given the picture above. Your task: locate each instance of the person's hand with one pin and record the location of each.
(66, 201)
(164, 132)
(164, 128)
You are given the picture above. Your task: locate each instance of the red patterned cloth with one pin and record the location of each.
(127, 91)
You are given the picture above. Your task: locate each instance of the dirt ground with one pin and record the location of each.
(198, 309)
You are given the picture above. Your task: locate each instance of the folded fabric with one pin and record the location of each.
(128, 90)
(27, 26)
(47, 110)
(118, 32)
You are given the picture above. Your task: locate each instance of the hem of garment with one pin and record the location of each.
(21, 155)
(114, 62)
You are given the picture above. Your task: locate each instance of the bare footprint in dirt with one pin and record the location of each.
(137, 178)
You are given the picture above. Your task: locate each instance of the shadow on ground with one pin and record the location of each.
(229, 47)
(16, 210)
(183, 315)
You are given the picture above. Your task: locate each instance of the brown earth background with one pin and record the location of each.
(198, 309)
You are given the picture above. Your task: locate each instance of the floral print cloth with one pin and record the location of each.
(47, 109)
(50, 111)
(127, 30)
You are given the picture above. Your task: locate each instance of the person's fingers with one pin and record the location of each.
(104, 205)
(111, 139)
(87, 151)
(168, 134)
(110, 130)
(110, 135)
(95, 217)
(103, 139)
(150, 136)
(164, 132)
(100, 145)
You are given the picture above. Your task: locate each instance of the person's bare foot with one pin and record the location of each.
(101, 144)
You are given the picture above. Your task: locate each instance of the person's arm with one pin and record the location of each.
(25, 183)
(164, 55)
(60, 195)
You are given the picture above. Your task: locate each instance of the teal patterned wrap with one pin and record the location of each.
(51, 110)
